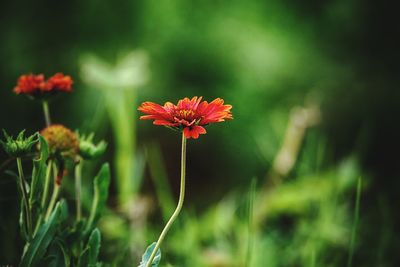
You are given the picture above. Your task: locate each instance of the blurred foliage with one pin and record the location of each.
(269, 59)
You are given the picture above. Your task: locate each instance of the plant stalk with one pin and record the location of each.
(52, 203)
(46, 112)
(178, 207)
(25, 197)
(44, 195)
(56, 190)
(78, 185)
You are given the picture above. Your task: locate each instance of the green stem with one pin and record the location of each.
(56, 190)
(355, 223)
(78, 185)
(25, 197)
(179, 206)
(53, 200)
(46, 184)
(44, 195)
(46, 112)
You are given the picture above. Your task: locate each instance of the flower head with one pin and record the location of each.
(188, 115)
(36, 86)
(29, 84)
(19, 146)
(60, 82)
(62, 141)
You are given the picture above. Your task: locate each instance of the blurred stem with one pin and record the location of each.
(179, 206)
(25, 197)
(355, 223)
(46, 112)
(250, 240)
(78, 185)
(119, 104)
(44, 195)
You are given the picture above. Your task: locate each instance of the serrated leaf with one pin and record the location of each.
(147, 254)
(41, 241)
(101, 184)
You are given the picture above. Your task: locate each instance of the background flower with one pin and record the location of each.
(36, 86)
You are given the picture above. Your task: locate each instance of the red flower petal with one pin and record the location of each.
(193, 131)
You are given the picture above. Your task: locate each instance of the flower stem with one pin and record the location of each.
(56, 190)
(78, 185)
(44, 195)
(25, 197)
(46, 184)
(178, 207)
(53, 200)
(46, 112)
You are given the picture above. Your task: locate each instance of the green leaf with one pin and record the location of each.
(91, 252)
(147, 254)
(101, 183)
(41, 241)
(58, 255)
(38, 174)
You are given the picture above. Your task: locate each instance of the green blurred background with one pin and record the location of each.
(314, 89)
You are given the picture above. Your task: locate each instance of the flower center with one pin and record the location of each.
(186, 114)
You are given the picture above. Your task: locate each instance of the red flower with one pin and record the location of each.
(36, 86)
(60, 82)
(189, 115)
(29, 84)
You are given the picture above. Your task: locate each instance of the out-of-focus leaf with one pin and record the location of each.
(91, 252)
(147, 254)
(101, 183)
(41, 241)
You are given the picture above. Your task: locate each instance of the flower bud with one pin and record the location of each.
(20, 146)
(88, 150)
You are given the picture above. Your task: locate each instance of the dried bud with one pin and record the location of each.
(62, 141)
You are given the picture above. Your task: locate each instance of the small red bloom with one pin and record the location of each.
(60, 82)
(29, 84)
(36, 86)
(189, 115)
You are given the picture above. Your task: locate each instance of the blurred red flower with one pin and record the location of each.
(60, 82)
(189, 115)
(29, 84)
(36, 86)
